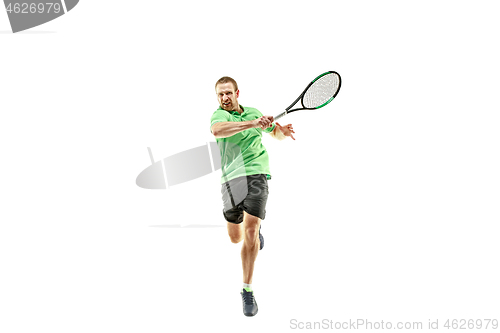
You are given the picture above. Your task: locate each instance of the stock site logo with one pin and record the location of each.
(26, 14)
(181, 167)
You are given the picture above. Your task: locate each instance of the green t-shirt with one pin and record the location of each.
(243, 153)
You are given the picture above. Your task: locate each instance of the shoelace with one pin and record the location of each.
(248, 297)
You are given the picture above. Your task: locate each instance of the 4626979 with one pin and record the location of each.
(32, 8)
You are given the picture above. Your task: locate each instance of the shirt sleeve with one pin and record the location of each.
(218, 117)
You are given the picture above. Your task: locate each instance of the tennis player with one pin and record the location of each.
(245, 171)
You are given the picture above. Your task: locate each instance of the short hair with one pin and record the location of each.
(226, 79)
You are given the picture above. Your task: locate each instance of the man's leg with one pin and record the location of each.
(247, 230)
(251, 244)
(249, 249)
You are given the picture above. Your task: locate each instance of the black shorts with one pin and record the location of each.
(247, 193)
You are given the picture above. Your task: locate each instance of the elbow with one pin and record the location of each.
(215, 132)
(219, 132)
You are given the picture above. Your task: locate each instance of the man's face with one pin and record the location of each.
(228, 98)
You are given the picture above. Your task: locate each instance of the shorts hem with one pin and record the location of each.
(243, 210)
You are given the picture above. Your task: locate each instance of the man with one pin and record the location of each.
(245, 171)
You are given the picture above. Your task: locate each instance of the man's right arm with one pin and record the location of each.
(229, 128)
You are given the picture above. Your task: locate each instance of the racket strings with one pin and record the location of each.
(321, 91)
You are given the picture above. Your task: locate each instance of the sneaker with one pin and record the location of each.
(250, 308)
(261, 238)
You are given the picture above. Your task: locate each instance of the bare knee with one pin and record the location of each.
(235, 239)
(251, 233)
(252, 224)
(235, 232)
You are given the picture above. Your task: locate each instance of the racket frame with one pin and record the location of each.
(301, 97)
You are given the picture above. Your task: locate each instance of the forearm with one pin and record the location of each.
(230, 128)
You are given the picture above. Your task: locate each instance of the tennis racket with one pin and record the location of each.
(321, 91)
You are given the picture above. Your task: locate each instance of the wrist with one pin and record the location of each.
(278, 134)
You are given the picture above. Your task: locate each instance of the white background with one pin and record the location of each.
(385, 207)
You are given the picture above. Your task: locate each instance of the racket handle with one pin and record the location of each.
(280, 115)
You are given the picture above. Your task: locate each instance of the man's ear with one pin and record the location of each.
(238, 93)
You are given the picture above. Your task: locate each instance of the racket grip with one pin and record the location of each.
(280, 115)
